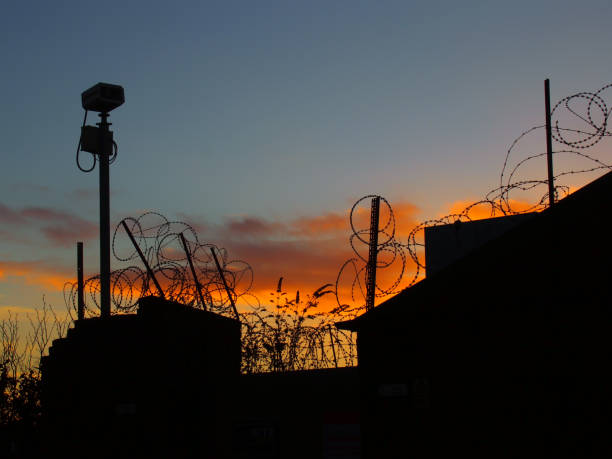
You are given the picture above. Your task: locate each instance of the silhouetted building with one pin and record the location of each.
(165, 382)
(505, 352)
(151, 384)
(445, 244)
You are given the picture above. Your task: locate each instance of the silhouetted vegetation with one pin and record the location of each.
(22, 344)
(293, 334)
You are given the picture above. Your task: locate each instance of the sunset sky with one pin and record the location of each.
(262, 122)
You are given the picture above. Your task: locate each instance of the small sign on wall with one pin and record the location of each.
(393, 390)
(419, 391)
(341, 436)
(255, 439)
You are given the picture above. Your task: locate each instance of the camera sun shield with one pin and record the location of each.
(103, 97)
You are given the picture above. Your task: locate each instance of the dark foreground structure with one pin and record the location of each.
(155, 384)
(504, 351)
(165, 382)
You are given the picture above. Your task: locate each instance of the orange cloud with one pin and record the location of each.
(485, 210)
(309, 251)
(321, 225)
(36, 273)
(404, 210)
(305, 265)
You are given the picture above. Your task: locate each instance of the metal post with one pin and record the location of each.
(104, 156)
(549, 152)
(80, 296)
(193, 272)
(227, 289)
(373, 254)
(143, 259)
(331, 339)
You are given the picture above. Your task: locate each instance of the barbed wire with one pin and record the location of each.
(159, 240)
(290, 336)
(594, 116)
(390, 253)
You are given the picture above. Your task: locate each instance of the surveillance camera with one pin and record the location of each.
(103, 97)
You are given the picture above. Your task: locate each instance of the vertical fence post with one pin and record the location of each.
(549, 152)
(227, 289)
(143, 259)
(373, 254)
(193, 272)
(80, 286)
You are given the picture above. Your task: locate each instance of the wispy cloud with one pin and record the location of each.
(307, 251)
(252, 226)
(59, 227)
(23, 187)
(10, 216)
(88, 194)
(83, 194)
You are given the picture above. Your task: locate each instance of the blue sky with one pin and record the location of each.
(278, 110)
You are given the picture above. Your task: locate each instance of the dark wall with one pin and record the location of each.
(165, 383)
(506, 353)
(494, 387)
(300, 414)
(445, 244)
(144, 384)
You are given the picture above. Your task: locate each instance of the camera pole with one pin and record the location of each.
(80, 296)
(549, 150)
(101, 98)
(105, 152)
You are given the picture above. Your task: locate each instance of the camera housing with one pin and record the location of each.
(96, 140)
(103, 97)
